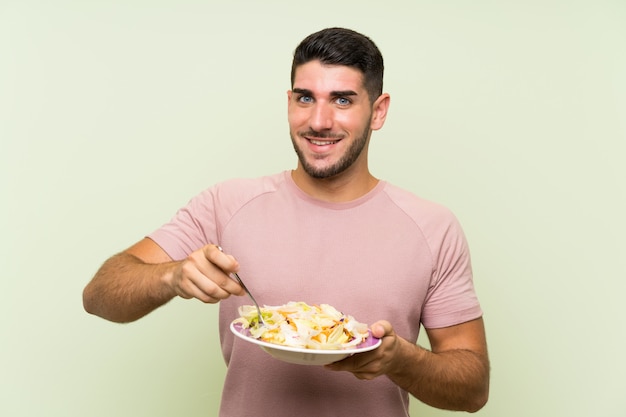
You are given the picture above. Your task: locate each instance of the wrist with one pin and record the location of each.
(168, 278)
(411, 362)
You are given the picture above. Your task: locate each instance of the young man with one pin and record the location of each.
(326, 232)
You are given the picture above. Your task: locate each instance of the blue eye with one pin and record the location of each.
(305, 99)
(342, 101)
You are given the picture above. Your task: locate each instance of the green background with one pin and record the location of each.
(115, 113)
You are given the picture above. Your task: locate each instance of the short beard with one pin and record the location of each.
(345, 162)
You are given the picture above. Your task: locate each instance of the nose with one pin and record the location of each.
(321, 117)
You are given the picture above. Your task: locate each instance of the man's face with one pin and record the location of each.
(329, 118)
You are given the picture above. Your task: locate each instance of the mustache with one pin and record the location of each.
(320, 135)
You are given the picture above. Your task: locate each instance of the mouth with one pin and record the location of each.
(318, 142)
(321, 138)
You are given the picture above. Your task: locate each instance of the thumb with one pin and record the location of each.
(381, 329)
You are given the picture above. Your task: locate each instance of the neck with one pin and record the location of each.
(341, 188)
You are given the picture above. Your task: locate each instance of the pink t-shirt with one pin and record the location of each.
(387, 255)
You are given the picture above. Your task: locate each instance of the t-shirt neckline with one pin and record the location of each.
(328, 204)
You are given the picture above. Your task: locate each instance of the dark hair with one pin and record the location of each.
(339, 46)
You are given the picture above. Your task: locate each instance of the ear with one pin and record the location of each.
(379, 111)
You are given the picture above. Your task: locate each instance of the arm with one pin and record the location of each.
(454, 375)
(133, 283)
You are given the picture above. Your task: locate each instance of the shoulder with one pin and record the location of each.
(238, 191)
(416, 207)
(203, 218)
(225, 198)
(438, 225)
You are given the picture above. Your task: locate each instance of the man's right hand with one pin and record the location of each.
(205, 275)
(133, 283)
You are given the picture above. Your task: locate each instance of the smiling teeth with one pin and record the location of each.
(323, 142)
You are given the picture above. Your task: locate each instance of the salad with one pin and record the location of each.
(300, 325)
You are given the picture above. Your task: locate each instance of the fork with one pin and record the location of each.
(258, 309)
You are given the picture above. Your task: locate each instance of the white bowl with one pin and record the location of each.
(303, 356)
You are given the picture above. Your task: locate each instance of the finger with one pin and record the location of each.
(365, 370)
(365, 376)
(200, 282)
(381, 329)
(217, 283)
(201, 278)
(220, 266)
(216, 255)
(195, 292)
(352, 363)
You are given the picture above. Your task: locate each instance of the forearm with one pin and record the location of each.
(454, 380)
(125, 288)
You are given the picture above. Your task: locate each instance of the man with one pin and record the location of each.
(326, 232)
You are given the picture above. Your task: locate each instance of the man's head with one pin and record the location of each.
(338, 46)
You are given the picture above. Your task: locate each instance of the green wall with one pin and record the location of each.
(114, 113)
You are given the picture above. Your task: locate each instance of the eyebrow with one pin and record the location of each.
(340, 93)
